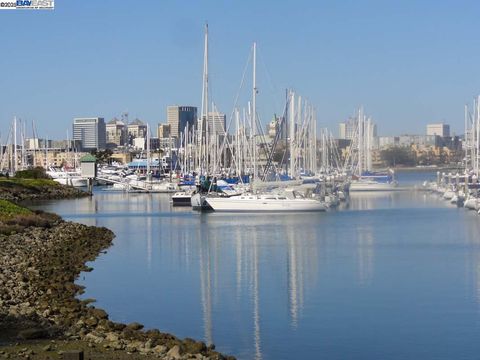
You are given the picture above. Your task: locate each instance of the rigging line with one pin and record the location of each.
(225, 140)
(274, 88)
(275, 142)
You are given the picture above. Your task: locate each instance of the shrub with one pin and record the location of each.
(35, 173)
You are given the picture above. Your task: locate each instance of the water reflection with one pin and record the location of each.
(365, 253)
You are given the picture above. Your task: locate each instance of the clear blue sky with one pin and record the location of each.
(407, 62)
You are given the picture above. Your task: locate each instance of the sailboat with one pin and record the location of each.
(262, 202)
(366, 180)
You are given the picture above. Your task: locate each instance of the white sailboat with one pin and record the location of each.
(262, 202)
(365, 179)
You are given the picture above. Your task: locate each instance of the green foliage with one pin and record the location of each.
(9, 209)
(103, 156)
(27, 183)
(35, 173)
(398, 156)
(15, 218)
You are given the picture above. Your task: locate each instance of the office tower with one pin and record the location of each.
(91, 132)
(179, 116)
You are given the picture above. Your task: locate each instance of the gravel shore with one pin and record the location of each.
(40, 314)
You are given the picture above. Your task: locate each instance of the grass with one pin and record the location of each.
(15, 219)
(27, 182)
(9, 210)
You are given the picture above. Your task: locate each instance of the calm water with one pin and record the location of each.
(391, 276)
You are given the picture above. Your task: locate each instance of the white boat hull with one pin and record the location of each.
(259, 204)
(199, 202)
(471, 203)
(72, 181)
(372, 186)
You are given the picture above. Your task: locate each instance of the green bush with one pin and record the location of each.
(35, 173)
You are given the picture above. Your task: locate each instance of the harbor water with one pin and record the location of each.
(388, 276)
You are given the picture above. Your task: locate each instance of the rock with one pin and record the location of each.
(99, 313)
(148, 345)
(93, 338)
(91, 321)
(135, 326)
(159, 349)
(33, 333)
(47, 347)
(111, 337)
(174, 352)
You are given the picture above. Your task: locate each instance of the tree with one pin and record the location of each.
(398, 156)
(103, 156)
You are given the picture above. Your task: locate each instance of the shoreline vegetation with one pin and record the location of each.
(41, 256)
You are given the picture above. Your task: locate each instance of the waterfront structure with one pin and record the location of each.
(179, 116)
(116, 132)
(91, 131)
(439, 129)
(217, 123)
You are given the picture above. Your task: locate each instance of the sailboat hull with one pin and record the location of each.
(258, 204)
(373, 186)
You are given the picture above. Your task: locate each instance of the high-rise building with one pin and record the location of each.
(116, 132)
(217, 123)
(439, 129)
(91, 132)
(163, 131)
(179, 116)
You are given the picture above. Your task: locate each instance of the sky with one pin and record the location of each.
(408, 63)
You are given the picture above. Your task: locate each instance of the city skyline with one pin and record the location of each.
(408, 64)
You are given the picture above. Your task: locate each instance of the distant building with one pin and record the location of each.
(91, 132)
(420, 141)
(42, 144)
(388, 141)
(277, 126)
(349, 128)
(163, 131)
(439, 129)
(179, 116)
(116, 132)
(217, 123)
(136, 129)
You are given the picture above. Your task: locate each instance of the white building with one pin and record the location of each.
(439, 129)
(217, 123)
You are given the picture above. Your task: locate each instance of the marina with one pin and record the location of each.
(240, 180)
(388, 275)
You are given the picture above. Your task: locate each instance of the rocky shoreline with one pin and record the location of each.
(40, 314)
(18, 190)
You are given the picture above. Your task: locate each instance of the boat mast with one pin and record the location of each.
(148, 152)
(14, 144)
(254, 110)
(204, 114)
(292, 134)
